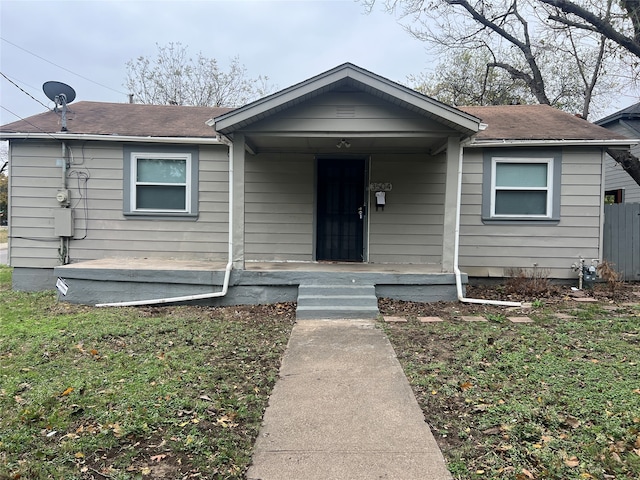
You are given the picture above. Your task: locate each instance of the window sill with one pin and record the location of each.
(180, 216)
(520, 221)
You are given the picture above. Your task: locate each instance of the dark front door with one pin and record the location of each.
(340, 212)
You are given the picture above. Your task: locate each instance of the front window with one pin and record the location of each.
(521, 188)
(160, 181)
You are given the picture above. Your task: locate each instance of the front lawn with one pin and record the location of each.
(171, 392)
(555, 399)
(179, 392)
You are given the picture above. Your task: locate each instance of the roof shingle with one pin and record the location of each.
(127, 119)
(535, 122)
(506, 122)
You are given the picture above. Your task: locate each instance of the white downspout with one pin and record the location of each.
(456, 246)
(227, 270)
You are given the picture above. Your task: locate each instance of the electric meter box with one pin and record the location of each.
(63, 222)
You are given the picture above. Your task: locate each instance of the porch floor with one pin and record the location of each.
(182, 265)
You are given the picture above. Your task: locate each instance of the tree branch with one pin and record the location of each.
(629, 162)
(535, 81)
(602, 25)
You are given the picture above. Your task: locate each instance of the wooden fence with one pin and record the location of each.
(621, 241)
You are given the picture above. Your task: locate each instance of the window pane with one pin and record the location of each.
(521, 174)
(162, 170)
(161, 197)
(515, 202)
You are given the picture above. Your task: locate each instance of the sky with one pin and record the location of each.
(86, 44)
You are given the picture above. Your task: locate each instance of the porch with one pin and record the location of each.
(114, 280)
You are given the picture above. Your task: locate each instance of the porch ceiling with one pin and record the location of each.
(358, 143)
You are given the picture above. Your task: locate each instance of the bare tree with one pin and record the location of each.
(621, 24)
(465, 78)
(172, 77)
(562, 50)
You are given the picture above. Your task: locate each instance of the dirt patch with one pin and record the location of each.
(560, 296)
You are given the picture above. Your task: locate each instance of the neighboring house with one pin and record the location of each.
(619, 186)
(347, 178)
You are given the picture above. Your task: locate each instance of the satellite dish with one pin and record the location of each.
(61, 94)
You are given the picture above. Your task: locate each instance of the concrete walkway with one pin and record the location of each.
(343, 409)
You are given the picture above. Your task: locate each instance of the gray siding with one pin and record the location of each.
(101, 230)
(279, 206)
(615, 177)
(409, 230)
(492, 250)
(280, 209)
(348, 112)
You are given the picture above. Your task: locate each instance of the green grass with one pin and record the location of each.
(555, 399)
(130, 393)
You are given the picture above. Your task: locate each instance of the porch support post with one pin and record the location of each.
(238, 200)
(450, 204)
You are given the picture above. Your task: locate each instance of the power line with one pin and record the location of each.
(63, 68)
(23, 91)
(27, 121)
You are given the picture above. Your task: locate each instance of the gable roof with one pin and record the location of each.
(632, 112)
(121, 120)
(628, 119)
(537, 123)
(347, 77)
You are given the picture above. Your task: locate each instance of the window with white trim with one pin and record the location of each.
(521, 187)
(160, 181)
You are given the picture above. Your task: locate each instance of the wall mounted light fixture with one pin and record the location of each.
(343, 143)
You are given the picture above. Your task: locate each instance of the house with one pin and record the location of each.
(344, 184)
(619, 186)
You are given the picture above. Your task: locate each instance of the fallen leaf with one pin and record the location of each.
(93, 351)
(205, 397)
(226, 422)
(527, 473)
(492, 431)
(587, 475)
(79, 455)
(572, 462)
(157, 458)
(573, 422)
(67, 392)
(466, 386)
(145, 471)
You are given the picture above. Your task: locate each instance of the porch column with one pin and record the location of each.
(237, 208)
(450, 203)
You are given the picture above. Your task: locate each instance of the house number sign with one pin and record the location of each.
(380, 187)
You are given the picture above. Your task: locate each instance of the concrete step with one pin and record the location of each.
(336, 301)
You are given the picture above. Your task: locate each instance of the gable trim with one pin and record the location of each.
(352, 76)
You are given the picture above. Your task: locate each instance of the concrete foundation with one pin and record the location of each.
(108, 281)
